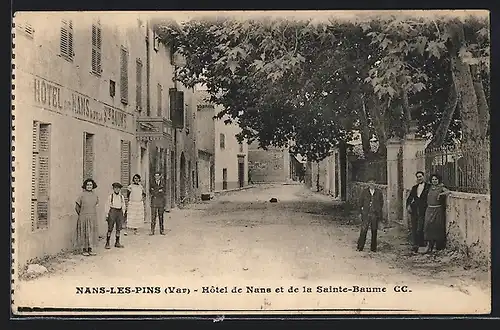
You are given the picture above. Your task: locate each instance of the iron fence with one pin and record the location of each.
(464, 168)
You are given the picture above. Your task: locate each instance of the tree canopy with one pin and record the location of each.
(309, 85)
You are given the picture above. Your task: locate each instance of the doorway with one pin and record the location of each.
(224, 178)
(182, 179)
(173, 178)
(241, 171)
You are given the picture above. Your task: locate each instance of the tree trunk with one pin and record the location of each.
(378, 116)
(365, 130)
(482, 103)
(439, 137)
(475, 156)
(465, 86)
(406, 112)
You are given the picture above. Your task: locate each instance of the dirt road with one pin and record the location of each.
(301, 249)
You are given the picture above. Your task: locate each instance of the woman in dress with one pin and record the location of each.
(135, 210)
(86, 225)
(435, 224)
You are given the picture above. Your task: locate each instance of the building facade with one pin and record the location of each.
(75, 93)
(273, 165)
(99, 97)
(328, 176)
(231, 156)
(205, 137)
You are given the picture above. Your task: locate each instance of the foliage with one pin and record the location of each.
(284, 80)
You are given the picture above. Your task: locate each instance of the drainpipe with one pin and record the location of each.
(148, 73)
(172, 62)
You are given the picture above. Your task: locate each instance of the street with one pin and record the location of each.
(241, 239)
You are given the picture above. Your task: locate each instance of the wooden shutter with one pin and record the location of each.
(159, 100)
(26, 28)
(138, 86)
(88, 156)
(124, 75)
(222, 141)
(125, 163)
(176, 107)
(43, 177)
(96, 48)
(66, 42)
(34, 175)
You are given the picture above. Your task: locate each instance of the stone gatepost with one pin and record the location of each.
(393, 201)
(412, 145)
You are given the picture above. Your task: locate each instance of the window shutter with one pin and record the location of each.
(26, 28)
(66, 42)
(124, 75)
(176, 107)
(222, 141)
(159, 100)
(96, 48)
(34, 175)
(88, 156)
(138, 87)
(125, 162)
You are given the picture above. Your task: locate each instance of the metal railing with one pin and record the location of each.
(464, 168)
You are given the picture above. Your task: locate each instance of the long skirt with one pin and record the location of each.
(135, 214)
(434, 227)
(86, 231)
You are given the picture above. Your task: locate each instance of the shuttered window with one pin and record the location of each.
(88, 156)
(222, 141)
(26, 28)
(125, 162)
(66, 42)
(124, 75)
(159, 95)
(40, 176)
(96, 48)
(138, 86)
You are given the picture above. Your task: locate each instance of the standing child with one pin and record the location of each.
(115, 209)
(86, 225)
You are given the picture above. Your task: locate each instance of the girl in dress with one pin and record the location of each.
(435, 222)
(86, 225)
(135, 211)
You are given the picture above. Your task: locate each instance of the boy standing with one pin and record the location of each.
(115, 208)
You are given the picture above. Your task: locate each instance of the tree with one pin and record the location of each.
(313, 84)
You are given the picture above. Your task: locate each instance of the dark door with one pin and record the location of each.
(224, 178)
(241, 172)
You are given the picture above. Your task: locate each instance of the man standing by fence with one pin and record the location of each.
(372, 203)
(416, 204)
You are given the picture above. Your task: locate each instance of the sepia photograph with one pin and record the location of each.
(251, 162)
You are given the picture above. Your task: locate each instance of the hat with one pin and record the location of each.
(117, 185)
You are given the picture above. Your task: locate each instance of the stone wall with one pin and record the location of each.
(469, 224)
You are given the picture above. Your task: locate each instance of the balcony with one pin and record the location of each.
(153, 128)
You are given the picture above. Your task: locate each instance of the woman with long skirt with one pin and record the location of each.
(86, 225)
(435, 222)
(135, 209)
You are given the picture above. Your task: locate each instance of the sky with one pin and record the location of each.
(130, 17)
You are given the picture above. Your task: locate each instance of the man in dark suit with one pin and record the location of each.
(371, 203)
(416, 204)
(157, 191)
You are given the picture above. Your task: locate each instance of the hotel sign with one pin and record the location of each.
(56, 98)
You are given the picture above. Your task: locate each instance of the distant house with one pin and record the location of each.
(273, 165)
